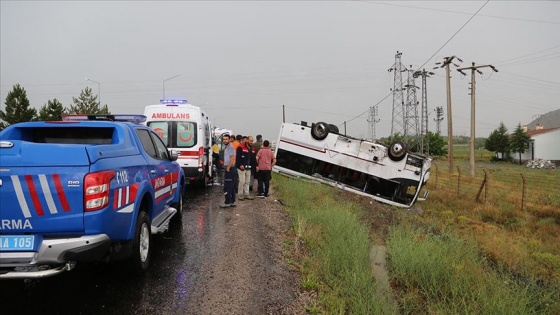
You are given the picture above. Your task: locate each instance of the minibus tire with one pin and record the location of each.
(397, 150)
(320, 130)
(333, 128)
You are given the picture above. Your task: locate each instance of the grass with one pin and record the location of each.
(335, 258)
(444, 274)
(459, 257)
(508, 232)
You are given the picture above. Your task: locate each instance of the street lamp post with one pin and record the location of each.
(98, 89)
(168, 80)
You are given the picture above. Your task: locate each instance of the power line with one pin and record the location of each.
(467, 22)
(527, 55)
(536, 59)
(459, 12)
(455, 34)
(318, 111)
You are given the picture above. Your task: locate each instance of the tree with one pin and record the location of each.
(519, 141)
(437, 146)
(498, 141)
(17, 108)
(86, 103)
(52, 110)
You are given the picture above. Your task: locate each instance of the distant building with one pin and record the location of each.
(544, 144)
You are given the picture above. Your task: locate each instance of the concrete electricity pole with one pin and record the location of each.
(473, 89)
(445, 63)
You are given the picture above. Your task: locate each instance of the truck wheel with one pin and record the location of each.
(141, 244)
(397, 151)
(179, 205)
(203, 183)
(320, 130)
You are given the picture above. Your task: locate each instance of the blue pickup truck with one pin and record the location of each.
(85, 189)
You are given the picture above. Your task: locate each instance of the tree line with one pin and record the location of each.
(503, 143)
(18, 108)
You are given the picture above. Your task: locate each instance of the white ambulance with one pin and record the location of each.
(187, 129)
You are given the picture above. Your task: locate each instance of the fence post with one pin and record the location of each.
(523, 193)
(483, 185)
(486, 186)
(436, 175)
(458, 181)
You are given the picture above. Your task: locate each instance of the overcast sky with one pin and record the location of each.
(324, 60)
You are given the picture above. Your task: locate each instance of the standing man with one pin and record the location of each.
(255, 175)
(258, 144)
(265, 162)
(230, 172)
(243, 163)
(253, 159)
(235, 140)
(215, 161)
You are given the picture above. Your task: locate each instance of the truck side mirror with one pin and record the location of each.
(174, 155)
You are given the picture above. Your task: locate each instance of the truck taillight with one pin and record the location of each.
(96, 190)
(200, 156)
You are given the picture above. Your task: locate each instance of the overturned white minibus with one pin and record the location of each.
(391, 175)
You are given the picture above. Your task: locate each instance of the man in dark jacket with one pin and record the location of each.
(243, 164)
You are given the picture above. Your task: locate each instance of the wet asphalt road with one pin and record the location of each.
(167, 288)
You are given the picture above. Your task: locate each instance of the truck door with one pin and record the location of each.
(163, 172)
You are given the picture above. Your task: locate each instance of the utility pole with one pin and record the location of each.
(372, 119)
(439, 118)
(474, 69)
(283, 113)
(445, 63)
(98, 90)
(398, 119)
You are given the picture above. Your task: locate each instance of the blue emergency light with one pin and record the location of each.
(119, 117)
(172, 101)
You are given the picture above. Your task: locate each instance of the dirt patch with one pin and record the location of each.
(250, 272)
(253, 275)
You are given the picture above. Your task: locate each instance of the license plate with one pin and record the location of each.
(17, 243)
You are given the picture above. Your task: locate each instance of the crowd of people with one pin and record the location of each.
(244, 161)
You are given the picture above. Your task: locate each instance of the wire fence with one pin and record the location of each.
(507, 187)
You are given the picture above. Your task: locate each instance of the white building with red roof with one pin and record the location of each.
(544, 144)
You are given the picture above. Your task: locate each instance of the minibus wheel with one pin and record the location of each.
(397, 151)
(333, 128)
(320, 130)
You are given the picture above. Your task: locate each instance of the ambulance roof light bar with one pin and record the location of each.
(172, 101)
(137, 119)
